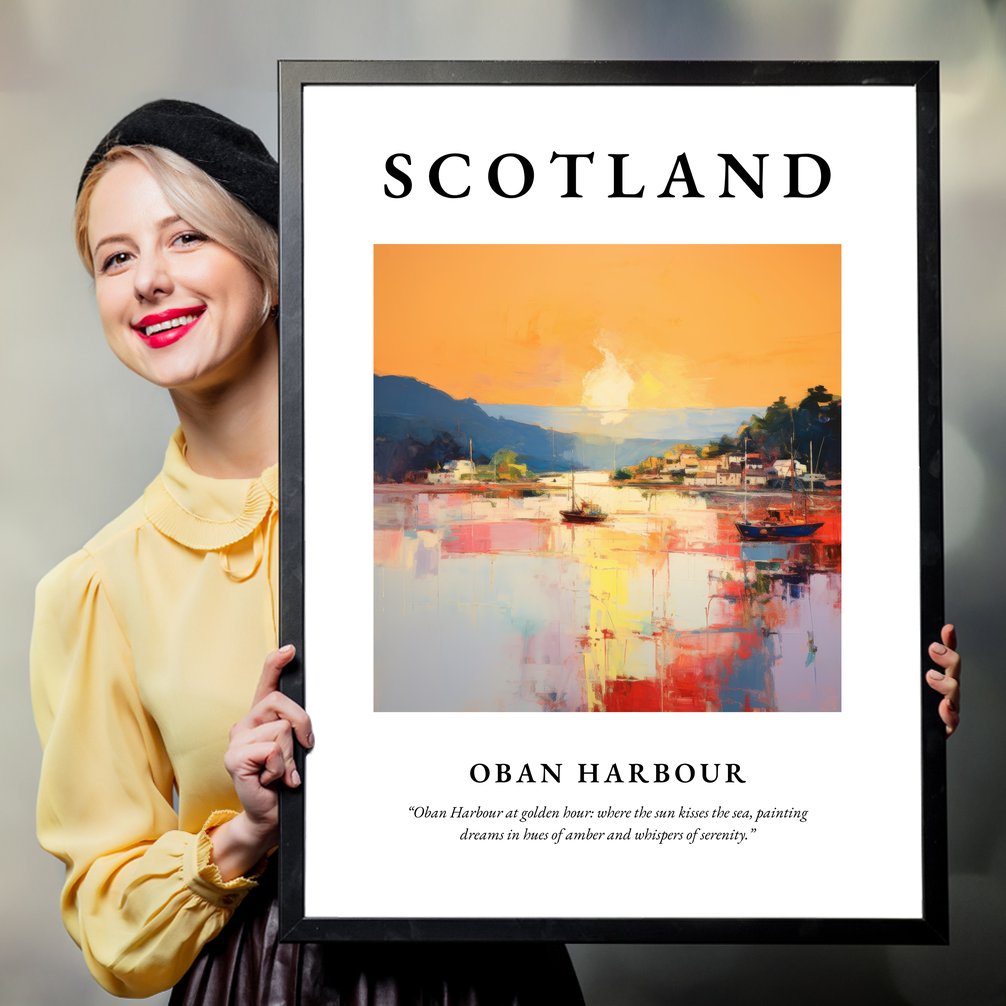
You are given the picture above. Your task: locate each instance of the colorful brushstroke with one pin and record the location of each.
(486, 598)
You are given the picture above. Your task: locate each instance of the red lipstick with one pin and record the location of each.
(166, 327)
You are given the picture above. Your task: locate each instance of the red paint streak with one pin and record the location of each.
(698, 667)
(506, 536)
(691, 683)
(631, 695)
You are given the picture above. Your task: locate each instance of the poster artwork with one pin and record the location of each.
(607, 478)
(630, 351)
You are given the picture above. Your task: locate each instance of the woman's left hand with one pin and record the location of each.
(948, 681)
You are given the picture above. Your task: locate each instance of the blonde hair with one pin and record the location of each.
(199, 200)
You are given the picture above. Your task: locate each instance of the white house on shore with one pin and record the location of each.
(783, 468)
(453, 470)
(703, 479)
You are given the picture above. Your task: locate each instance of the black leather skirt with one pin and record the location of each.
(246, 965)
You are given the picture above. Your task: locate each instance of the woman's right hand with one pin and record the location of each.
(259, 754)
(948, 681)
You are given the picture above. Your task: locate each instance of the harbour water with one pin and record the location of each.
(487, 600)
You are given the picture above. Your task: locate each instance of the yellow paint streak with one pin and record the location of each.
(620, 602)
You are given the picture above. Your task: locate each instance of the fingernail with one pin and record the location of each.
(310, 740)
(936, 676)
(938, 648)
(951, 706)
(295, 777)
(287, 649)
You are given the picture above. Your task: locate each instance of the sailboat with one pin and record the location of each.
(582, 513)
(778, 522)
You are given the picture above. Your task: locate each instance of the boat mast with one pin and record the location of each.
(792, 463)
(810, 488)
(745, 463)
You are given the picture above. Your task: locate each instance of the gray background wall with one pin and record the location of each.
(81, 436)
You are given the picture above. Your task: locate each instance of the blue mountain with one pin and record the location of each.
(417, 425)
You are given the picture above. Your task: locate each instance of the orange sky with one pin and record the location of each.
(611, 326)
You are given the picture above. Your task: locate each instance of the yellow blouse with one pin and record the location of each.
(147, 647)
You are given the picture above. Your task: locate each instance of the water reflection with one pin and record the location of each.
(490, 601)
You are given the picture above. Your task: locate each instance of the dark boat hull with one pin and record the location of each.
(768, 531)
(574, 517)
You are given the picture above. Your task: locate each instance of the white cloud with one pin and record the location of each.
(607, 387)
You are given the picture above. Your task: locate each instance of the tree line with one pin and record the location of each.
(812, 432)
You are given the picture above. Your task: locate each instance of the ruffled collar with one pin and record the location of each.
(203, 513)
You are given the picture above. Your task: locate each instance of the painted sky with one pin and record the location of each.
(611, 327)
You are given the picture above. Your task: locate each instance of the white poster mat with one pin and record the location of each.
(856, 772)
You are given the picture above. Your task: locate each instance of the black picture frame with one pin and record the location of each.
(932, 926)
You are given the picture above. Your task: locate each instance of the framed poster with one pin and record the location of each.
(643, 360)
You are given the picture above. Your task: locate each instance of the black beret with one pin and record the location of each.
(230, 154)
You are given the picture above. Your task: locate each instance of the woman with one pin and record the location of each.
(149, 643)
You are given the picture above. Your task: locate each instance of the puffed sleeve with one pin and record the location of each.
(141, 898)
